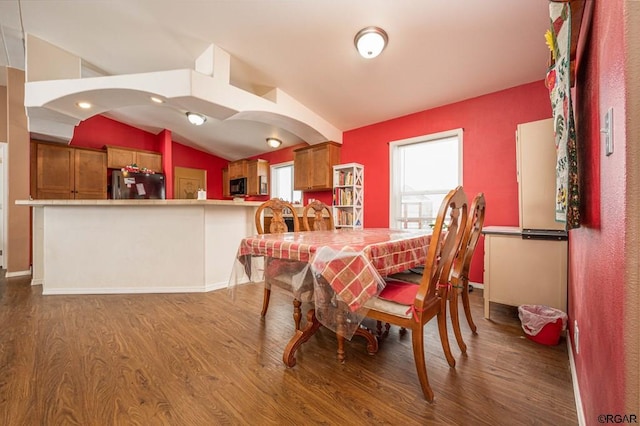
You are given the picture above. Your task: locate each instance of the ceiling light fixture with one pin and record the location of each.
(371, 41)
(273, 142)
(196, 119)
(84, 105)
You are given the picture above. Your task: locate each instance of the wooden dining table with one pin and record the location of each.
(347, 267)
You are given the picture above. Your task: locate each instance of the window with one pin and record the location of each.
(423, 170)
(282, 183)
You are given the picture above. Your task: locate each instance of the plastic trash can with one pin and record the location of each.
(542, 324)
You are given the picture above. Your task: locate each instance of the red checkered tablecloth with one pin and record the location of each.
(353, 262)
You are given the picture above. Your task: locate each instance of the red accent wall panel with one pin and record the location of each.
(597, 268)
(489, 151)
(98, 131)
(184, 156)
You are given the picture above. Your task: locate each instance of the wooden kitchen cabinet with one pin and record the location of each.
(238, 169)
(257, 177)
(313, 166)
(61, 172)
(225, 183)
(119, 157)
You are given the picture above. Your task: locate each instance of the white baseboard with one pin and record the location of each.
(576, 387)
(129, 290)
(18, 274)
(477, 285)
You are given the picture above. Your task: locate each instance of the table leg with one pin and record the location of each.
(300, 337)
(340, 335)
(372, 341)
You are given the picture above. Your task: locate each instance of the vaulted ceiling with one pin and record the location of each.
(439, 52)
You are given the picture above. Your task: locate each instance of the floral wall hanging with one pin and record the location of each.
(558, 81)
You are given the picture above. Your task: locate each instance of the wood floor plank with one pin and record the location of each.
(208, 358)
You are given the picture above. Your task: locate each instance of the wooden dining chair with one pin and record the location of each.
(461, 266)
(411, 306)
(278, 225)
(320, 221)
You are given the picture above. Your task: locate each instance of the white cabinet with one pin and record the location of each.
(348, 195)
(521, 271)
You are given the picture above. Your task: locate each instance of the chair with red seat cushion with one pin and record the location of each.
(279, 271)
(412, 306)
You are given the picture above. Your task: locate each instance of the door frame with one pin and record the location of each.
(4, 196)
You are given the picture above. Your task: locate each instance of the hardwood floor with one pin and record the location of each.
(205, 359)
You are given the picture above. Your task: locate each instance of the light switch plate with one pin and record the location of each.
(608, 132)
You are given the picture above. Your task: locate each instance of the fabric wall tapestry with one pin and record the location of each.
(559, 84)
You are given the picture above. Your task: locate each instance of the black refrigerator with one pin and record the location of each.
(127, 185)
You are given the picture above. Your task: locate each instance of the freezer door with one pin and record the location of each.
(536, 160)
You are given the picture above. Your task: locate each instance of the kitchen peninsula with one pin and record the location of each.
(136, 246)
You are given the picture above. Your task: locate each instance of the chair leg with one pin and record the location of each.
(265, 301)
(417, 339)
(379, 331)
(297, 313)
(444, 338)
(467, 306)
(455, 320)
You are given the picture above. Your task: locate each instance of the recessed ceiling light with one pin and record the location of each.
(157, 100)
(196, 119)
(84, 105)
(371, 41)
(274, 142)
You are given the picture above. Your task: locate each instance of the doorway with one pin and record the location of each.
(3, 202)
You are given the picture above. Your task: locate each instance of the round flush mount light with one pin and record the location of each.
(84, 105)
(196, 119)
(273, 142)
(371, 41)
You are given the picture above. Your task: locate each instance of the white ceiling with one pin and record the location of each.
(439, 52)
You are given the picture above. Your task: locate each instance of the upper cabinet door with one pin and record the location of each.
(90, 171)
(118, 157)
(536, 161)
(313, 166)
(54, 172)
(149, 160)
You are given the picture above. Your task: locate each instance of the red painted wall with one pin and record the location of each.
(597, 249)
(184, 156)
(98, 131)
(489, 152)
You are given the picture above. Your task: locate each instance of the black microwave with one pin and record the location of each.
(238, 186)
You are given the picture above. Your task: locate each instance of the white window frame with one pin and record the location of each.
(274, 185)
(394, 164)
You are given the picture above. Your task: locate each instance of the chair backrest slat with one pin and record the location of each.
(278, 224)
(445, 241)
(320, 221)
(469, 239)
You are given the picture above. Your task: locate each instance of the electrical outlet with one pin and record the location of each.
(576, 336)
(608, 132)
